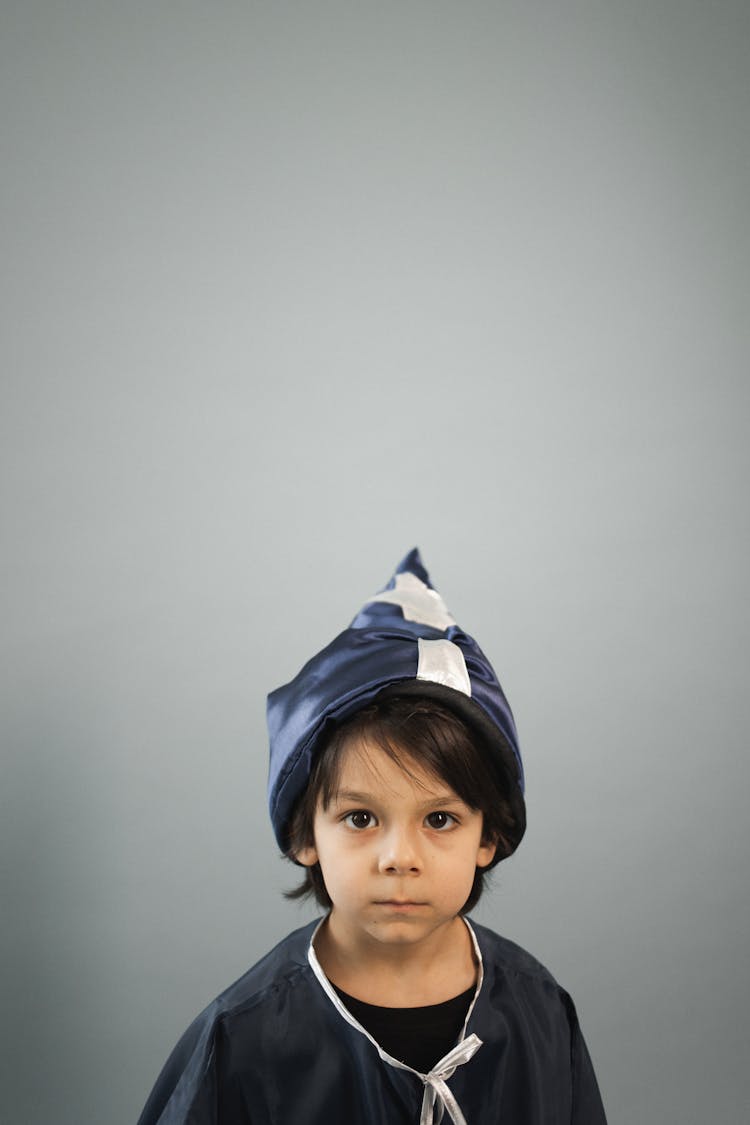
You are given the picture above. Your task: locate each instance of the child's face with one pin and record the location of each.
(398, 853)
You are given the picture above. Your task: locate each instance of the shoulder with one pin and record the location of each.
(521, 988)
(227, 1028)
(527, 1020)
(503, 955)
(281, 967)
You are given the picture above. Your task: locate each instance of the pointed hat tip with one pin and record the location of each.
(412, 564)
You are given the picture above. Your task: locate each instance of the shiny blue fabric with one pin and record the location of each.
(273, 1050)
(377, 651)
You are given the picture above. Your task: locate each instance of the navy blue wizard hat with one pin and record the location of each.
(403, 641)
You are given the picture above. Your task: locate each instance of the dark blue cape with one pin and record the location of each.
(273, 1050)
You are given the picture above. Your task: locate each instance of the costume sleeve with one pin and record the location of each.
(186, 1090)
(587, 1101)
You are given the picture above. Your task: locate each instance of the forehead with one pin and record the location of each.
(365, 766)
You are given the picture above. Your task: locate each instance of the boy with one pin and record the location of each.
(396, 783)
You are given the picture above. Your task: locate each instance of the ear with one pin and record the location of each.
(308, 856)
(486, 853)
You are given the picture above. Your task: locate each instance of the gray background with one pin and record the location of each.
(286, 289)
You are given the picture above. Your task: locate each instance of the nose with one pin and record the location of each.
(399, 854)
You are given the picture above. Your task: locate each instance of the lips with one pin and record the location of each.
(399, 904)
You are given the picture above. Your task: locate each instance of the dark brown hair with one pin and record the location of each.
(411, 728)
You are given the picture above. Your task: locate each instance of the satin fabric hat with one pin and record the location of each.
(403, 640)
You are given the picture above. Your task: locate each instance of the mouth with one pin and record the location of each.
(400, 904)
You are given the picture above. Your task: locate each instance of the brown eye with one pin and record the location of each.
(359, 819)
(440, 820)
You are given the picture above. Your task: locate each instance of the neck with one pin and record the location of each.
(395, 976)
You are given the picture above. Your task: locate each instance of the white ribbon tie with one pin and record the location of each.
(436, 1089)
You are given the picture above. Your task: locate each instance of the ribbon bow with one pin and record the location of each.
(436, 1084)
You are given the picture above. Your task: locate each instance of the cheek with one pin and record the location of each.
(345, 882)
(340, 865)
(456, 872)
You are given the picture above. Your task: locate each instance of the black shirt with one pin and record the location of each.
(418, 1037)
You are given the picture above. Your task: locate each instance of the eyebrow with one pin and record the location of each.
(372, 798)
(351, 795)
